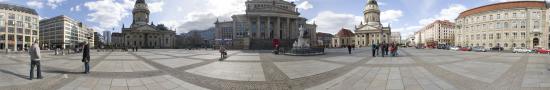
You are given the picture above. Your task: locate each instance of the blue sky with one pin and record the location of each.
(405, 16)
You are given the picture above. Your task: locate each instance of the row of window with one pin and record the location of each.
(503, 25)
(490, 36)
(498, 44)
(500, 16)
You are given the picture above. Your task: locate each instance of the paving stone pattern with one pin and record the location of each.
(172, 69)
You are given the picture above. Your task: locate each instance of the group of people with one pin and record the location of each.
(35, 57)
(384, 49)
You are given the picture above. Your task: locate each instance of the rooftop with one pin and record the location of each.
(18, 8)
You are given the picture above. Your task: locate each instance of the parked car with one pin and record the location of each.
(465, 49)
(542, 51)
(454, 48)
(497, 48)
(521, 50)
(479, 49)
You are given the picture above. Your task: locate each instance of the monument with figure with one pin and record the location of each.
(301, 46)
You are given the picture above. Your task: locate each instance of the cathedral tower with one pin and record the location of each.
(140, 13)
(372, 13)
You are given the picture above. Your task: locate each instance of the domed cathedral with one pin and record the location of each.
(265, 22)
(372, 32)
(141, 34)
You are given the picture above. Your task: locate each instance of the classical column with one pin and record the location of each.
(5, 40)
(269, 30)
(15, 38)
(278, 29)
(258, 26)
(287, 29)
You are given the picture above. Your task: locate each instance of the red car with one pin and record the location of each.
(542, 51)
(465, 49)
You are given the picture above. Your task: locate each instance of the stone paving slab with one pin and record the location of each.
(439, 59)
(121, 57)
(18, 74)
(243, 58)
(394, 78)
(297, 69)
(207, 57)
(65, 64)
(164, 82)
(478, 70)
(240, 71)
(177, 62)
(344, 59)
(391, 60)
(152, 57)
(122, 66)
(415, 69)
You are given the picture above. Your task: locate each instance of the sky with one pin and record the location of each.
(405, 16)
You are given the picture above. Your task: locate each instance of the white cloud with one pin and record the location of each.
(331, 22)
(202, 15)
(449, 13)
(35, 4)
(389, 16)
(4, 0)
(304, 5)
(75, 8)
(156, 6)
(292, 0)
(512, 0)
(54, 3)
(108, 13)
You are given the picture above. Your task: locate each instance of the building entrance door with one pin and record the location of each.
(535, 42)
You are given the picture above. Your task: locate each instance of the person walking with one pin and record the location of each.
(374, 49)
(34, 53)
(387, 49)
(86, 57)
(395, 50)
(384, 49)
(223, 53)
(349, 49)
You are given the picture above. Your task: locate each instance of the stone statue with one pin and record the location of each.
(302, 42)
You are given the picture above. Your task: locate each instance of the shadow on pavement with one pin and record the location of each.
(62, 72)
(12, 73)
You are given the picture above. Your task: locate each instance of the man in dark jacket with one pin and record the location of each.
(349, 49)
(86, 58)
(374, 49)
(384, 49)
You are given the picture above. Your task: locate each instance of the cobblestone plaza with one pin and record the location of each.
(414, 69)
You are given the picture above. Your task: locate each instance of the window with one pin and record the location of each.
(536, 25)
(11, 16)
(514, 15)
(498, 26)
(490, 36)
(11, 30)
(11, 23)
(498, 35)
(515, 35)
(523, 35)
(505, 24)
(523, 24)
(484, 37)
(515, 24)
(498, 16)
